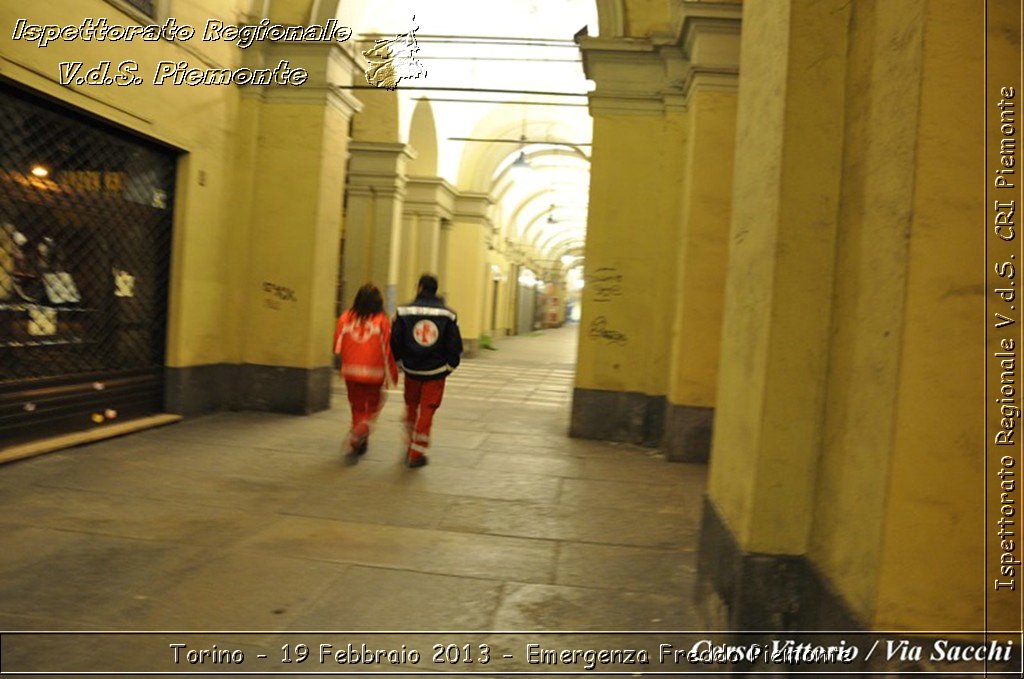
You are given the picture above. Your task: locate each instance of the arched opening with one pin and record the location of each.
(493, 93)
(423, 140)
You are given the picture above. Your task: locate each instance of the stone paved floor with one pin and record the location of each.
(249, 522)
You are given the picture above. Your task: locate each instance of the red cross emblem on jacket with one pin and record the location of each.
(425, 333)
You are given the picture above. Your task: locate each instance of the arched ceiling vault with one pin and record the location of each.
(483, 102)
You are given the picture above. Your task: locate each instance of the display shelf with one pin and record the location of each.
(20, 344)
(29, 306)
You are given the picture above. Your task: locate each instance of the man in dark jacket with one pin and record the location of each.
(427, 345)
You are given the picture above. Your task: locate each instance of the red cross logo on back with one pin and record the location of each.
(425, 333)
(361, 332)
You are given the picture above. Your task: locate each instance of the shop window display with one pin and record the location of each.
(85, 224)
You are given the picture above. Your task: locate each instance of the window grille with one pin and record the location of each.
(85, 226)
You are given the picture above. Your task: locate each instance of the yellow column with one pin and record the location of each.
(429, 200)
(465, 277)
(1004, 471)
(937, 493)
(373, 217)
(711, 43)
(624, 345)
(771, 387)
(296, 215)
(848, 467)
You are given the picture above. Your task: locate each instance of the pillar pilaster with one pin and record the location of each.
(778, 301)
(429, 201)
(847, 483)
(710, 48)
(373, 217)
(639, 143)
(294, 140)
(467, 271)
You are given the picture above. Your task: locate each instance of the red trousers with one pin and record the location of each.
(422, 399)
(366, 401)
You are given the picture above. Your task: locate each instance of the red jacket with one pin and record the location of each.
(365, 349)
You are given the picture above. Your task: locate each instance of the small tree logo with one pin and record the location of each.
(392, 61)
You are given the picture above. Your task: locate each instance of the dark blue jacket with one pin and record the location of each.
(425, 339)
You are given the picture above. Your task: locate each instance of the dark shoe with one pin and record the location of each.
(352, 454)
(418, 461)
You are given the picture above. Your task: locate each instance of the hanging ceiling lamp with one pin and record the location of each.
(521, 163)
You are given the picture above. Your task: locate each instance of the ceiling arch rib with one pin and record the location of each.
(423, 139)
(545, 236)
(557, 238)
(472, 140)
(481, 160)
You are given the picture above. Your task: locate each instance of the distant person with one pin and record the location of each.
(363, 341)
(428, 346)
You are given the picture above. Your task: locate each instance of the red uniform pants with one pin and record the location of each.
(366, 401)
(422, 399)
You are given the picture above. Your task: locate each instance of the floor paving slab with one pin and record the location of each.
(368, 598)
(561, 607)
(252, 520)
(414, 549)
(567, 523)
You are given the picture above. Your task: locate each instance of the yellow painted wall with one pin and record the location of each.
(290, 11)
(374, 244)
(849, 423)
(423, 140)
(378, 121)
(428, 250)
(647, 17)
(899, 528)
(703, 249)
(502, 324)
(412, 242)
(637, 172)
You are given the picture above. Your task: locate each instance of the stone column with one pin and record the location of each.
(467, 271)
(628, 301)
(373, 217)
(296, 213)
(710, 40)
(429, 200)
(778, 303)
(847, 484)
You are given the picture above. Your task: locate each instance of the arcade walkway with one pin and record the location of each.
(249, 521)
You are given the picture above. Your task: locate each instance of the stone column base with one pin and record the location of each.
(687, 433)
(742, 591)
(628, 417)
(197, 390)
(776, 595)
(470, 347)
